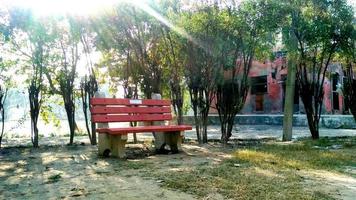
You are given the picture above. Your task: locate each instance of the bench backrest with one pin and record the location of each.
(129, 110)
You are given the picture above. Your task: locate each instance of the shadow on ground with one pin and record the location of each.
(208, 171)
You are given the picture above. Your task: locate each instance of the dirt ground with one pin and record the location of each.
(66, 172)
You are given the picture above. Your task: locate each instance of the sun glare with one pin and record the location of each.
(89, 7)
(146, 8)
(59, 7)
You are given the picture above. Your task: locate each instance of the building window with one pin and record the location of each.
(259, 85)
(335, 97)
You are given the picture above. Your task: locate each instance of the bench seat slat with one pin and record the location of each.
(130, 118)
(117, 110)
(142, 129)
(142, 102)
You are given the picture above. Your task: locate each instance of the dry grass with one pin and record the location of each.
(269, 171)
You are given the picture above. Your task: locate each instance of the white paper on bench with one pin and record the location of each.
(135, 101)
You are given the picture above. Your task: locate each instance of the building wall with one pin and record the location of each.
(273, 98)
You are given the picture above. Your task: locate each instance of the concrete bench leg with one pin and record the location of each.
(104, 145)
(180, 140)
(159, 140)
(118, 145)
(173, 140)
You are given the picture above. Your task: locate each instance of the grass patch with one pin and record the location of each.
(54, 178)
(136, 165)
(305, 154)
(268, 172)
(347, 142)
(244, 182)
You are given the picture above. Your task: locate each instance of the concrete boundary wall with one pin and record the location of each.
(326, 121)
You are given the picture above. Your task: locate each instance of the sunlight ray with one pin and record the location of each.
(146, 8)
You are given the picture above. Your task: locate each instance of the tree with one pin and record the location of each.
(171, 45)
(142, 33)
(132, 34)
(61, 76)
(174, 73)
(318, 27)
(246, 34)
(350, 89)
(200, 68)
(348, 54)
(32, 38)
(88, 88)
(3, 93)
(89, 85)
(5, 83)
(120, 53)
(234, 60)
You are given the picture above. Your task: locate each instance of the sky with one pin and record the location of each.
(50, 7)
(78, 7)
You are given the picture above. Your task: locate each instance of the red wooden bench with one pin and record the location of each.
(153, 112)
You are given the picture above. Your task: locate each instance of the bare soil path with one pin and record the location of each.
(69, 172)
(66, 172)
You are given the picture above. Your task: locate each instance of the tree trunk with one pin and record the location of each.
(92, 142)
(226, 131)
(194, 101)
(311, 93)
(289, 102)
(90, 130)
(34, 129)
(69, 107)
(93, 134)
(349, 89)
(2, 99)
(224, 138)
(205, 127)
(2, 123)
(197, 128)
(230, 99)
(180, 116)
(72, 130)
(177, 100)
(34, 93)
(313, 125)
(353, 111)
(88, 89)
(230, 125)
(204, 109)
(35, 136)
